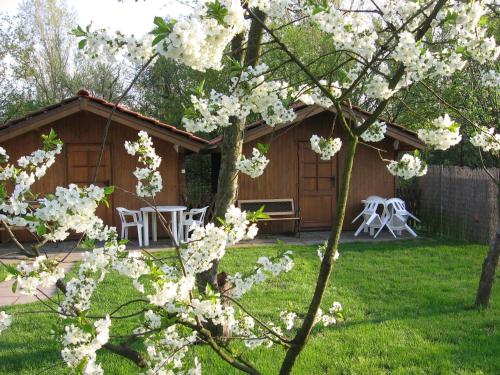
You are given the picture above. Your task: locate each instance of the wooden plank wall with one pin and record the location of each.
(280, 179)
(85, 127)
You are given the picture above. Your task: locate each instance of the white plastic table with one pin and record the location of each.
(152, 210)
(385, 214)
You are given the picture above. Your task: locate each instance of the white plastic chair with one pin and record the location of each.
(136, 221)
(374, 197)
(398, 220)
(371, 218)
(195, 216)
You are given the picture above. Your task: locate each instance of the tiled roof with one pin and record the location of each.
(120, 108)
(297, 106)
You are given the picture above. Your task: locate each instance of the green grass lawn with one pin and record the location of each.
(408, 308)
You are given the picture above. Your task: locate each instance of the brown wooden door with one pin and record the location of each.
(82, 161)
(317, 188)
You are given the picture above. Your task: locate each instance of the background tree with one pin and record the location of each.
(41, 62)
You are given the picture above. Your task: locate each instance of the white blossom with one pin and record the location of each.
(251, 92)
(316, 96)
(254, 166)
(333, 316)
(326, 147)
(5, 321)
(487, 140)
(80, 345)
(375, 132)
(321, 252)
(351, 31)
(212, 112)
(149, 181)
(378, 88)
(70, 209)
(441, 134)
(42, 272)
(264, 268)
(288, 319)
(407, 167)
(491, 78)
(199, 40)
(272, 8)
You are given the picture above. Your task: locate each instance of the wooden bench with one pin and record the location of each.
(277, 209)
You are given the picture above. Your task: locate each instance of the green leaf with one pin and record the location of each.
(3, 191)
(109, 190)
(160, 22)
(105, 202)
(263, 147)
(451, 18)
(81, 366)
(259, 214)
(52, 134)
(319, 6)
(41, 230)
(50, 141)
(190, 113)
(236, 65)
(162, 30)
(463, 51)
(483, 21)
(88, 243)
(217, 11)
(12, 270)
(454, 127)
(209, 290)
(79, 32)
(199, 90)
(14, 286)
(89, 328)
(82, 44)
(158, 39)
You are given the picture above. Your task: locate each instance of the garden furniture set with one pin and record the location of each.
(183, 222)
(379, 213)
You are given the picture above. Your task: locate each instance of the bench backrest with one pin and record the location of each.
(272, 207)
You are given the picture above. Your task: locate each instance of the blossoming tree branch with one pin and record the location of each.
(381, 49)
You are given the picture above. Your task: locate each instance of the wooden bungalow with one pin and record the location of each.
(80, 123)
(296, 173)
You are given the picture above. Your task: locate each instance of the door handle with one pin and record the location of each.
(333, 181)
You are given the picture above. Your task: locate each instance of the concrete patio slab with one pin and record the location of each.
(7, 297)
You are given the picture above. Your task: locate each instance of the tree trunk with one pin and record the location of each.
(232, 145)
(304, 332)
(227, 188)
(490, 265)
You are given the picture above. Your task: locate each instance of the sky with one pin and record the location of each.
(128, 16)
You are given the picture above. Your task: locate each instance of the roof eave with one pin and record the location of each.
(259, 129)
(139, 124)
(38, 119)
(73, 105)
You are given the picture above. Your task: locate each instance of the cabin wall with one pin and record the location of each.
(88, 128)
(281, 179)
